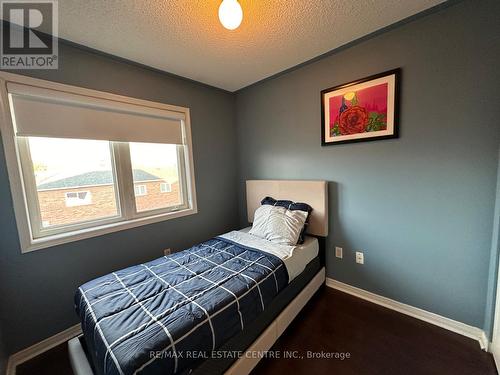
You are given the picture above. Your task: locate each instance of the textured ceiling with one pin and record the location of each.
(185, 37)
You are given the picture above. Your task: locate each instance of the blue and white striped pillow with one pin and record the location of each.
(281, 221)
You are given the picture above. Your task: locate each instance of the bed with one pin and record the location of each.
(202, 309)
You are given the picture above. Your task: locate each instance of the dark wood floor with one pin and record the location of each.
(378, 340)
(52, 362)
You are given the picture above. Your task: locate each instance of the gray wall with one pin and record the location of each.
(37, 288)
(421, 206)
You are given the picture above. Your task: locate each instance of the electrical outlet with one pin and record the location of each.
(338, 252)
(360, 258)
(167, 251)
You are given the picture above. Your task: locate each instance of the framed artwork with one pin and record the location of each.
(363, 110)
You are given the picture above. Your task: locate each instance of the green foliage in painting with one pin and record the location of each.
(376, 121)
(334, 131)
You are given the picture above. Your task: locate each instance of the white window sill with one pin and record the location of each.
(77, 235)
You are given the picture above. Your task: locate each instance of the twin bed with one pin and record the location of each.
(207, 309)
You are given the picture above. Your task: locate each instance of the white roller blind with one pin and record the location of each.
(41, 112)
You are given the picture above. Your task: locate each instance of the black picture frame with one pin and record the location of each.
(396, 128)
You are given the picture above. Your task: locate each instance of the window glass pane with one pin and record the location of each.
(74, 180)
(152, 166)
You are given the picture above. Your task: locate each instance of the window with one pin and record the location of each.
(140, 190)
(66, 172)
(91, 163)
(153, 164)
(78, 198)
(165, 187)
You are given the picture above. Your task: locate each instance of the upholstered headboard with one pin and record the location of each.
(314, 193)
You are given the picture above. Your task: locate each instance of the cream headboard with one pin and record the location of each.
(314, 193)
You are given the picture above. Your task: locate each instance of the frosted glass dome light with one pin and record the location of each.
(230, 14)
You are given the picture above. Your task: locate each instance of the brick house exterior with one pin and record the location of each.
(155, 198)
(58, 207)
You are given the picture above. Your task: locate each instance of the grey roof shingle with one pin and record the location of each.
(94, 178)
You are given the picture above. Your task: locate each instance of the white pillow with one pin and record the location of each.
(278, 224)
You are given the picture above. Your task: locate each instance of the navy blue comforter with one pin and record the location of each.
(161, 317)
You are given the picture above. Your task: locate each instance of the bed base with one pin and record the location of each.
(266, 340)
(243, 366)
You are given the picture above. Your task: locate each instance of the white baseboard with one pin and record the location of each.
(495, 351)
(40, 347)
(484, 343)
(438, 320)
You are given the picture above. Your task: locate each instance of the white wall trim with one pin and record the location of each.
(429, 317)
(484, 343)
(26, 354)
(494, 353)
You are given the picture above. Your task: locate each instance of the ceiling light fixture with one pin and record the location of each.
(230, 14)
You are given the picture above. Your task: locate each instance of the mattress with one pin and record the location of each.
(243, 340)
(217, 365)
(271, 268)
(151, 318)
(295, 257)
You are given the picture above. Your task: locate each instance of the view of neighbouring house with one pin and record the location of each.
(91, 196)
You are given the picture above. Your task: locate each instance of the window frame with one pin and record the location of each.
(128, 216)
(140, 186)
(166, 184)
(75, 201)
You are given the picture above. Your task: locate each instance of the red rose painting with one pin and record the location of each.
(359, 111)
(353, 120)
(362, 110)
